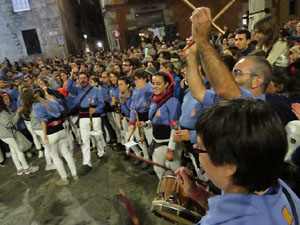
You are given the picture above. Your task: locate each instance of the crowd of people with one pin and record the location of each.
(217, 105)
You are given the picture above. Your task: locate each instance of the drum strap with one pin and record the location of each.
(292, 204)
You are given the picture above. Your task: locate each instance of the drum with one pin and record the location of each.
(173, 204)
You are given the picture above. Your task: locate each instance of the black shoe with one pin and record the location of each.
(144, 166)
(126, 157)
(137, 162)
(84, 170)
(152, 172)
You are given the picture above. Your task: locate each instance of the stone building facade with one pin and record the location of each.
(31, 33)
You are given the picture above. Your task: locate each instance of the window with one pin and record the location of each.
(20, 5)
(32, 42)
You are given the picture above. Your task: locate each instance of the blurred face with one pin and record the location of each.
(159, 85)
(83, 80)
(181, 54)
(113, 79)
(57, 78)
(126, 66)
(2, 84)
(6, 100)
(231, 41)
(260, 37)
(41, 83)
(298, 29)
(64, 76)
(17, 83)
(217, 174)
(242, 73)
(117, 68)
(164, 69)
(123, 86)
(241, 42)
(105, 78)
(140, 82)
(93, 83)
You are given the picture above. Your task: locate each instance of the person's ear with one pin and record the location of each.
(257, 81)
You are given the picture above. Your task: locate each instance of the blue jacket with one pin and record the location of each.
(191, 110)
(141, 100)
(105, 92)
(177, 91)
(125, 108)
(94, 96)
(167, 114)
(250, 209)
(44, 114)
(113, 92)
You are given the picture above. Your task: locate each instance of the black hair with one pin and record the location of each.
(2, 105)
(165, 54)
(95, 79)
(164, 76)
(169, 64)
(126, 80)
(235, 51)
(86, 74)
(141, 73)
(244, 31)
(246, 133)
(229, 61)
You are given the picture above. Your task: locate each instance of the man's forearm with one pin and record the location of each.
(217, 73)
(194, 80)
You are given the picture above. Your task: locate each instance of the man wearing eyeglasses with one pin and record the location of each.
(244, 159)
(249, 78)
(127, 67)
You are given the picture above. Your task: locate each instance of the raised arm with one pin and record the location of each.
(195, 82)
(217, 73)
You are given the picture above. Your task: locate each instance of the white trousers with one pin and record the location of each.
(112, 118)
(46, 147)
(18, 157)
(84, 126)
(148, 136)
(159, 156)
(36, 140)
(59, 141)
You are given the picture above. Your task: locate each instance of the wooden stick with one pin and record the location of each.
(223, 10)
(193, 8)
(129, 208)
(205, 184)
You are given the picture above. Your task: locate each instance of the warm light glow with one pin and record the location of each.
(100, 45)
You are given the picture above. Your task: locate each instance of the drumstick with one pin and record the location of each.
(223, 10)
(193, 8)
(129, 208)
(205, 184)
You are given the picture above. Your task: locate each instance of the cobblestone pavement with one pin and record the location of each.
(93, 200)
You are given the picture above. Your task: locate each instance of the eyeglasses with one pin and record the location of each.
(239, 73)
(197, 149)
(126, 65)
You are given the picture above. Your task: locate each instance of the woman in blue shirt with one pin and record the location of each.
(49, 113)
(164, 114)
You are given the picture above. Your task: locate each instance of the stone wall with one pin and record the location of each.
(43, 16)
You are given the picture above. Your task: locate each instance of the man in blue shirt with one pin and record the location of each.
(241, 146)
(91, 103)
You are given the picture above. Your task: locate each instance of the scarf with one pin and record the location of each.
(162, 98)
(124, 96)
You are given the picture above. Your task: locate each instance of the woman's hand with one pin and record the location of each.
(46, 140)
